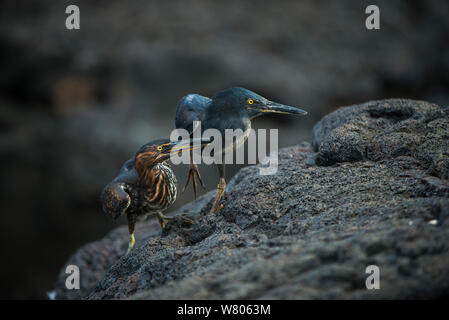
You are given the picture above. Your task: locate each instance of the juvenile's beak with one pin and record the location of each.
(189, 144)
(274, 107)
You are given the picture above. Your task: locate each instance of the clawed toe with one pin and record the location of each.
(193, 176)
(188, 221)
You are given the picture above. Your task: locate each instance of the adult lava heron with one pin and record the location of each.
(145, 185)
(232, 108)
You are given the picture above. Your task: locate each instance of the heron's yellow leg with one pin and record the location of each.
(162, 219)
(131, 243)
(218, 195)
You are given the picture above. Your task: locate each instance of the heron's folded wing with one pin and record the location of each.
(115, 200)
(189, 109)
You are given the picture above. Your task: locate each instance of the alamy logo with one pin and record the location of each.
(73, 20)
(73, 280)
(372, 22)
(373, 280)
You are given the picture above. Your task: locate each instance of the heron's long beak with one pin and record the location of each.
(189, 144)
(274, 107)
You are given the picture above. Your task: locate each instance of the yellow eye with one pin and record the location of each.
(250, 101)
(159, 148)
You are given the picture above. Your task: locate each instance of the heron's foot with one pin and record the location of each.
(187, 220)
(163, 220)
(131, 243)
(218, 195)
(194, 174)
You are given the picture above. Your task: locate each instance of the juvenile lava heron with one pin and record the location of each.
(232, 108)
(145, 185)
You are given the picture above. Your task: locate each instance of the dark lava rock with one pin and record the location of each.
(386, 129)
(309, 231)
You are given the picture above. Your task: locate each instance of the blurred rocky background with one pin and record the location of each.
(74, 105)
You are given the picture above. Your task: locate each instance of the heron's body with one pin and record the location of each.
(195, 107)
(145, 185)
(232, 108)
(147, 195)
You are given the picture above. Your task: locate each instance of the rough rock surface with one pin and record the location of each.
(386, 129)
(376, 192)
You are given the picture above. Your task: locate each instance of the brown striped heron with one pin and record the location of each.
(145, 185)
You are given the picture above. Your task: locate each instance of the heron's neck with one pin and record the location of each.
(150, 175)
(227, 120)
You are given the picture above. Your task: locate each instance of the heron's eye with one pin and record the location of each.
(159, 148)
(250, 101)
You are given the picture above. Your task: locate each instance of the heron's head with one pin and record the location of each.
(158, 151)
(251, 104)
